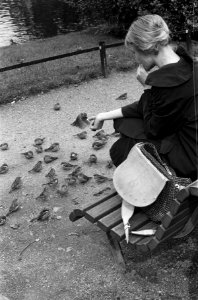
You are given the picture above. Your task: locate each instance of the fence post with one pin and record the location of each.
(188, 41)
(103, 58)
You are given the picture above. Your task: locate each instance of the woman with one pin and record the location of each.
(167, 112)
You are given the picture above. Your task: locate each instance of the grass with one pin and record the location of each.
(43, 77)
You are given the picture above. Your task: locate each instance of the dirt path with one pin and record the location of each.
(73, 261)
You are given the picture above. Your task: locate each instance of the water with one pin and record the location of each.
(23, 20)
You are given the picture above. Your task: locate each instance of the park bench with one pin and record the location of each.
(178, 222)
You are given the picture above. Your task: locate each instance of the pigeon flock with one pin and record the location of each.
(76, 175)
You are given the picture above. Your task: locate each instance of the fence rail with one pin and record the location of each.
(101, 48)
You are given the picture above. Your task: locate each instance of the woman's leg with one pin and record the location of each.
(120, 149)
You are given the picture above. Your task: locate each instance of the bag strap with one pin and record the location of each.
(150, 151)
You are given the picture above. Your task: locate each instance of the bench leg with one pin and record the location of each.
(117, 252)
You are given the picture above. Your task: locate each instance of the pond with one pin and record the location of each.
(23, 20)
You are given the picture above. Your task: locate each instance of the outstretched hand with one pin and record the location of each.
(96, 123)
(141, 75)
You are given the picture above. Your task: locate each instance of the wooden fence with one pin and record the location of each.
(101, 48)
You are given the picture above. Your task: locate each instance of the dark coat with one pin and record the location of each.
(168, 112)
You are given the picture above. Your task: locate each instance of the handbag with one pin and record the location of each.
(161, 206)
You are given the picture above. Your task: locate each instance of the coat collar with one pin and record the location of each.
(172, 74)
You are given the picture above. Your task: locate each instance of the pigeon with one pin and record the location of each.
(2, 220)
(13, 207)
(28, 154)
(82, 135)
(122, 97)
(63, 190)
(101, 135)
(48, 159)
(38, 141)
(92, 159)
(75, 172)
(109, 164)
(102, 191)
(67, 166)
(57, 106)
(53, 148)
(82, 178)
(43, 195)
(70, 180)
(4, 146)
(42, 216)
(51, 173)
(52, 183)
(100, 178)
(16, 184)
(4, 169)
(39, 148)
(37, 168)
(81, 121)
(115, 134)
(73, 156)
(98, 144)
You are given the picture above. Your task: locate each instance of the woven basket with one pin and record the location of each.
(161, 206)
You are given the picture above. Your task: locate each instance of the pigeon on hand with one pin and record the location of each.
(73, 156)
(43, 215)
(92, 159)
(28, 154)
(82, 135)
(81, 121)
(51, 173)
(39, 148)
(82, 178)
(38, 141)
(48, 159)
(4, 169)
(70, 180)
(53, 148)
(98, 144)
(57, 106)
(67, 166)
(4, 146)
(100, 178)
(13, 207)
(43, 195)
(16, 184)
(63, 190)
(2, 220)
(37, 168)
(122, 97)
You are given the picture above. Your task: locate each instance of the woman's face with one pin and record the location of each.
(146, 60)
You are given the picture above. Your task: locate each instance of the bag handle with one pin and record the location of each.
(149, 150)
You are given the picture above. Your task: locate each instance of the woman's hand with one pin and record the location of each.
(141, 75)
(96, 122)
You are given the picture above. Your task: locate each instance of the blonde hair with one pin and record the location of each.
(147, 34)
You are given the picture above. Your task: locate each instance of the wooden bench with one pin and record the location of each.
(106, 214)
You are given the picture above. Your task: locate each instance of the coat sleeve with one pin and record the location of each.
(135, 110)
(163, 112)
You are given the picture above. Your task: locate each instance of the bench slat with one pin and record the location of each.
(177, 206)
(103, 209)
(135, 239)
(137, 220)
(169, 219)
(163, 233)
(110, 221)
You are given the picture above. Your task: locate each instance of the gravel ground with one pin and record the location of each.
(72, 261)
